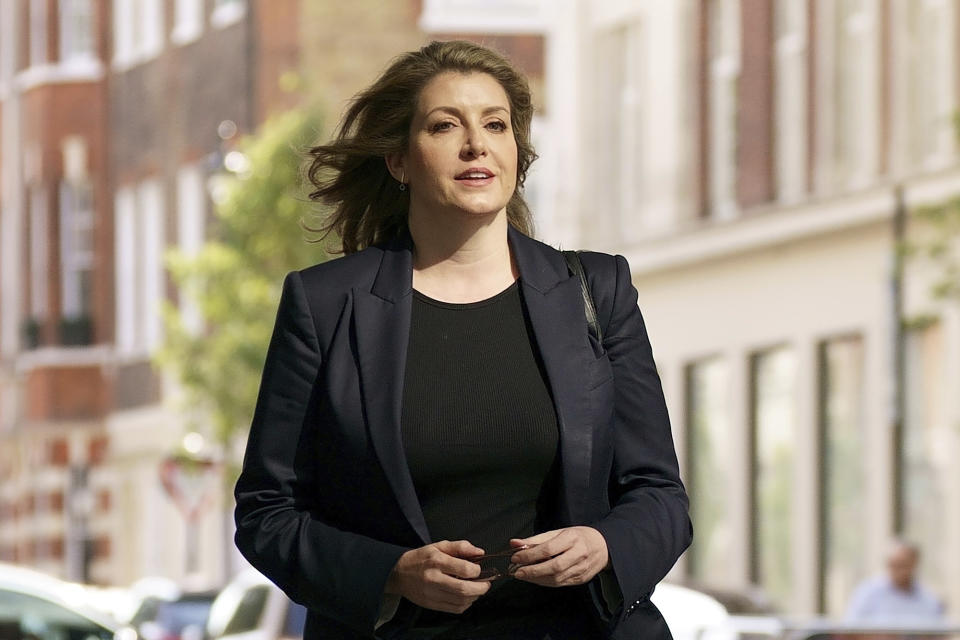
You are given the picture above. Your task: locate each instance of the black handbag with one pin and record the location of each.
(576, 268)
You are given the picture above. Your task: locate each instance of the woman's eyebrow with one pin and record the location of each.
(457, 111)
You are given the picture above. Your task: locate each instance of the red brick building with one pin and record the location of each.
(113, 115)
(110, 118)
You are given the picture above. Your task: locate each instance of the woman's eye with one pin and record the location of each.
(441, 126)
(497, 125)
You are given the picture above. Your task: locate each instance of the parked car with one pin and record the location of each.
(692, 615)
(750, 600)
(36, 606)
(183, 617)
(251, 607)
(143, 590)
(820, 628)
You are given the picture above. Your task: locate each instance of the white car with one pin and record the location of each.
(253, 608)
(35, 605)
(692, 615)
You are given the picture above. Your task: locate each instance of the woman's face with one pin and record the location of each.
(462, 154)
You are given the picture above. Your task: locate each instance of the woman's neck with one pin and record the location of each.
(461, 260)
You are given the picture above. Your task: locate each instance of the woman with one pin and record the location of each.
(435, 394)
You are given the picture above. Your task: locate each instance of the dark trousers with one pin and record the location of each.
(563, 620)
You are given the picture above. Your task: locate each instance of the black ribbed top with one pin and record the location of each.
(479, 426)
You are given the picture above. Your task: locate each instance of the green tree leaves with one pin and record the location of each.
(234, 280)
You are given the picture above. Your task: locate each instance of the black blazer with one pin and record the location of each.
(325, 501)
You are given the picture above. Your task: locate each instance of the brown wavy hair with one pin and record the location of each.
(350, 175)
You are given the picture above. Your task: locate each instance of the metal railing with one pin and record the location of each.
(773, 628)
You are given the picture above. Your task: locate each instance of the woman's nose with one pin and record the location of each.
(474, 144)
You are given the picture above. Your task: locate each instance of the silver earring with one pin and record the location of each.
(403, 185)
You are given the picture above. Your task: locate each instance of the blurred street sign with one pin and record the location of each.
(191, 482)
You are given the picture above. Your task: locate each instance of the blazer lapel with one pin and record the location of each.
(382, 320)
(555, 306)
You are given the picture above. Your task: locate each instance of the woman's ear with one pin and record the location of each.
(395, 166)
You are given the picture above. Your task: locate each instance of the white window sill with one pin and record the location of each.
(724, 210)
(122, 63)
(125, 63)
(74, 70)
(494, 16)
(59, 356)
(132, 355)
(227, 14)
(186, 33)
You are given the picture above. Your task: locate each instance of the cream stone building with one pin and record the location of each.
(750, 158)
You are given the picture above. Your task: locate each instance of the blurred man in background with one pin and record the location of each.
(897, 596)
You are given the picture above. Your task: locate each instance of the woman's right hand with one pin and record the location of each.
(437, 576)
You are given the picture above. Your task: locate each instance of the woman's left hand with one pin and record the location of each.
(562, 557)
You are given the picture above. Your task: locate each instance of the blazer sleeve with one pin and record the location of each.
(339, 574)
(648, 526)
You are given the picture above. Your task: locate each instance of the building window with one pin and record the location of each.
(6, 47)
(773, 404)
(188, 21)
(39, 252)
(124, 36)
(927, 459)
(38, 33)
(76, 30)
(929, 94)
(724, 51)
(227, 12)
(843, 472)
(152, 243)
(38, 260)
(139, 234)
(125, 233)
(790, 100)
(619, 125)
(76, 244)
(708, 452)
(76, 261)
(849, 95)
(151, 27)
(191, 212)
(138, 31)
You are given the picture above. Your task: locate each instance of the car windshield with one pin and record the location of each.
(178, 614)
(249, 610)
(28, 616)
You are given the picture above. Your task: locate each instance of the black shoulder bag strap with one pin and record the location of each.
(576, 268)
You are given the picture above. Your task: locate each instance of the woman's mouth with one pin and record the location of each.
(477, 176)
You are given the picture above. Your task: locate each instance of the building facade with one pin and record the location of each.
(113, 116)
(753, 160)
(750, 159)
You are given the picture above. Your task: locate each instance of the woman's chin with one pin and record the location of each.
(482, 208)
(469, 212)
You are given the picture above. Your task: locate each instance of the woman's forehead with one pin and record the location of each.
(457, 90)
